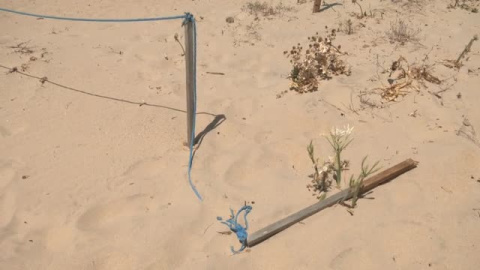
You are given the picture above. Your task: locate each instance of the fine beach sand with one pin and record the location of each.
(93, 171)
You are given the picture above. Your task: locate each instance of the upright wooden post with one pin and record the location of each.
(316, 5)
(190, 83)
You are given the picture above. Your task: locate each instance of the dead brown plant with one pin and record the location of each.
(468, 5)
(403, 77)
(401, 32)
(265, 9)
(320, 61)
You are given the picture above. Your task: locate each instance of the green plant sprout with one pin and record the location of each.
(356, 184)
(331, 170)
(320, 180)
(339, 139)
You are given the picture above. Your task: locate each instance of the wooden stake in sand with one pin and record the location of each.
(370, 183)
(190, 70)
(316, 6)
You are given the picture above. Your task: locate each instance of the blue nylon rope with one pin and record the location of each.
(238, 229)
(95, 20)
(188, 17)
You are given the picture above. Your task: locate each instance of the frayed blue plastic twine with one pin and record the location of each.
(238, 229)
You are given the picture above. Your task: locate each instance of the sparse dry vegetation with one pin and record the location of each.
(346, 27)
(362, 13)
(412, 5)
(401, 32)
(469, 5)
(265, 9)
(22, 48)
(252, 31)
(320, 61)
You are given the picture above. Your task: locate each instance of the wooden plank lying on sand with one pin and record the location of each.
(368, 184)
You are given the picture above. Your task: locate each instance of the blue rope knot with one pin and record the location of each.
(238, 229)
(188, 18)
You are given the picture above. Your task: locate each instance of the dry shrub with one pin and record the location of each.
(401, 32)
(468, 5)
(265, 9)
(320, 61)
(412, 5)
(346, 27)
(407, 77)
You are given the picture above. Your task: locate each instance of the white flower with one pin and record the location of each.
(325, 168)
(347, 130)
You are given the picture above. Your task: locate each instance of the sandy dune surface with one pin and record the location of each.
(93, 171)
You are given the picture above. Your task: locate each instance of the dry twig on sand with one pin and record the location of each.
(409, 76)
(458, 63)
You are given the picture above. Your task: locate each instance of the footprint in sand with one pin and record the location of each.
(425, 245)
(113, 260)
(116, 213)
(4, 132)
(7, 208)
(8, 173)
(144, 169)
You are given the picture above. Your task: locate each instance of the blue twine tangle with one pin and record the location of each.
(187, 17)
(238, 229)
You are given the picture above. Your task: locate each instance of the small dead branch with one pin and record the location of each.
(215, 73)
(409, 76)
(22, 48)
(424, 72)
(458, 63)
(445, 89)
(179, 43)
